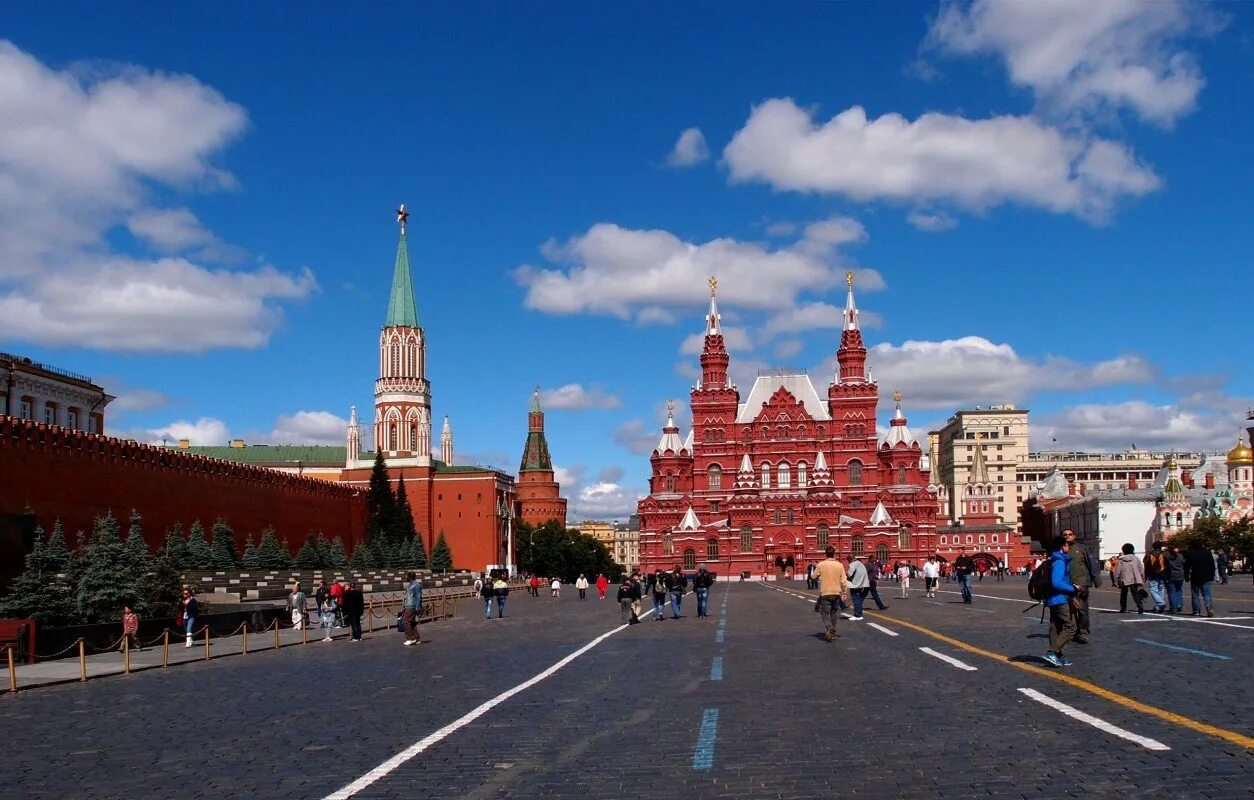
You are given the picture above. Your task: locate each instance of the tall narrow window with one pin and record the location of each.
(690, 558)
(824, 536)
(715, 473)
(785, 476)
(392, 436)
(855, 473)
(711, 548)
(746, 539)
(670, 482)
(779, 517)
(801, 475)
(901, 475)
(668, 545)
(396, 359)
(790, 517)
(903, 537)
(858, 548)
(766, 476)
(882, 554)
(413, 436)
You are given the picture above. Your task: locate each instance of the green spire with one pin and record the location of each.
(535, 401)
(402, 310)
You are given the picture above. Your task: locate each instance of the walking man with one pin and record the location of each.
(873, 575)
(352, 606)
(659, 594)
(677, 584)
(833, 584)
(963, 567)
(1156, 576)
(500, 590)
(1175, 580)
(1129, 575)
(1221, 565)
(1199, 570)
(413, 608)
(1062, 623)
(1084, 571)
(486, 592)
(931, 576)
(581, 583)
(629, 599)
(701, 584)
(859, 585)
(297, 601)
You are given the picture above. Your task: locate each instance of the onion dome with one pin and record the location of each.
(1241, 454)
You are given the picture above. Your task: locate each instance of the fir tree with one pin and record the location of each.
(101, 593)
(309, 556)
(177, 543)
(136, 563)
(401, 529)
(222, 551)
(163, 587)
(362, 558)
(42, 592)
(379, 502)
(418, 559)
(249, 559)
(336, 557)
(271, 554)
(441, 556)
(57, 553)
(198, 556)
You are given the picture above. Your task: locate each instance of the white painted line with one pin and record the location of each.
(389, 766)
(1146, 619)
(882, 629)
(949, 659)
(1100, 724)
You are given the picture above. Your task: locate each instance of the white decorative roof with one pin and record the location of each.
(690, 521)
(688, 440)
(1054, 485)
(798, 384)
(820, 461)
(880, 515)
(746, 465)
(670, 436)
(898, 433)
(851, 309)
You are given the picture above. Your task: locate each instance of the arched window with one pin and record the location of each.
(824, 536)
(790, 517)
(715, 474)
(413, 436)
(1179, 519)
(711, 548)
(857, 546)
(903, 538)
(690, 558)
(801, 475)
(901, 475)
(670, 482)
(942, 539)
(766, 432)
(783, 432)
(983, 539)
(984, 506)
(785, 476)
(968, 538)
(396, 359)
(668, 545)
(881, 553)
(994, 538)
(766, 476)
(855, 473)
(779, 517)
(392, 436)
(746, 539)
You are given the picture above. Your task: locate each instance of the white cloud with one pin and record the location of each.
(79, 155)
(734, 339)
(974, 164)
(1119, 425)
(604, 500)
(932, 221)
(816, 316)
(781, 229)
(1087, 54)
(690, 149)
(637, 437)
(128, 399)
(647, 274)
(972, 370)
(574, 397)
(308, 427)
(789, 348)
(204, 432)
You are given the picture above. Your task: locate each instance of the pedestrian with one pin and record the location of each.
(500, 590)
(931, 576)
(296, 602)
(1085, 573)
(581, 583)
(658, 588)
(676, 584)
(1199, 570)
(1129, 575)
(413, 609)
(1001, 571)
(337, 598)
(1060, 601)
(873, 575)
(701, 584)
(188, 611)
(603, 586)
(833, 586)
(555, 586)
(1175, 579)
(1221, 565)
(903, 577)
(352, 606)
(484, 589)
(1156, 576)
(963, 567)
(326, 614)
(534, 585)
(1111, 564)
(859, 585)
(130, 628)
(629, 599)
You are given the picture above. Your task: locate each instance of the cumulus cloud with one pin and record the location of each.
(972, 163)
(605, 498)
(638, 437)
(1087, 54)
(734, 339)
(1118, 425)
(816, 316)
(647, 274)
(574, 397)
(932, 221)
(80, 154)
(972, 370)
(204, 432)
(308, 427)
(690, 149)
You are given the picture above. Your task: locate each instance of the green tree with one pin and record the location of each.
(164, 583)
(42, 591)
(310, 556)
(441, 555)
(336, 558)
(100, 593)
(249, 559)
(136, 562)
(363, 557)
(552, 550)
(222, 550)
(380, 502)
(198, 555)
(401, 527)
(271, 554)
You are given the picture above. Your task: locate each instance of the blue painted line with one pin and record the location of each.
(1185, 649)
(718, 636)
(716, 669)
(703, 757)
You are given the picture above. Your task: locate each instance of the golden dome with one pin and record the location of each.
(1240, 454)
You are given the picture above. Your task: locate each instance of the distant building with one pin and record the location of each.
(627, 542)
(42, 393)
(603, 532)
(1003, 431)
(1092, 470)
(539, 497)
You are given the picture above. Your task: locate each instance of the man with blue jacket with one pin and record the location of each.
(1062, 595)
(413, 609)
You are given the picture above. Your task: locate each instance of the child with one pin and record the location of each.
(130, 628)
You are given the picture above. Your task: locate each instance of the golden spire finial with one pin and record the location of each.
(670, 406)
(849, 278)
(713, 285)
(979, 437)
(897, 396)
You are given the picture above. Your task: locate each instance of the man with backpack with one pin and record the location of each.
(963, 567)
(677, 584)
(413, 608)
(701, 584)
(657, 584)
(1175, 580)
(1156, 576)
(1051, 584)
(1085, 572)
(629, 599)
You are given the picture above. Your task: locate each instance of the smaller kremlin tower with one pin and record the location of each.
(538, 492)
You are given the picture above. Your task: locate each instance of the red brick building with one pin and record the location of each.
(538, 492)
(775, 479)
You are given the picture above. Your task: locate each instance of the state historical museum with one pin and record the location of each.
(767, 483)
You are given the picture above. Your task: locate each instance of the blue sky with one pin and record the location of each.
(1046, 204)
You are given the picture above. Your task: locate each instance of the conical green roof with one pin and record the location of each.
(402, 310)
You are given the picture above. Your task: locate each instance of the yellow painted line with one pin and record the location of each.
(1091, 688)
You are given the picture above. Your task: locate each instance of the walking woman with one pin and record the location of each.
(1130, 576)
(903, 577)
(352, 607)
(581, 583)
(188, 609)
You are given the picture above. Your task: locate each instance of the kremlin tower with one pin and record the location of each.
(538, 492)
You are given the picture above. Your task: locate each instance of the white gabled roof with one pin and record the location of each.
(690, 521)
(766, 385)
(670, 436)
(898, 433)
(745, 464)
(880, 515)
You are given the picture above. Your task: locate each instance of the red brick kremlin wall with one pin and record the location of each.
(75, 476)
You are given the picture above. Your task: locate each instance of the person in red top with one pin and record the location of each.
(535, 586)
(130, 627)
(337, 600)
(603, 585)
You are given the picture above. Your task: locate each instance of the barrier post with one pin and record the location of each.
(304, 632)
(165, 648)
(370, 615)
(244, 648)
(206, 643)
(12, 671)
(82, 659)
(126, 653)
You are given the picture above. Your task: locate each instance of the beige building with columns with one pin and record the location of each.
(1003, 432)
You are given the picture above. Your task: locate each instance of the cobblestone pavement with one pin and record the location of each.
(747, 703)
